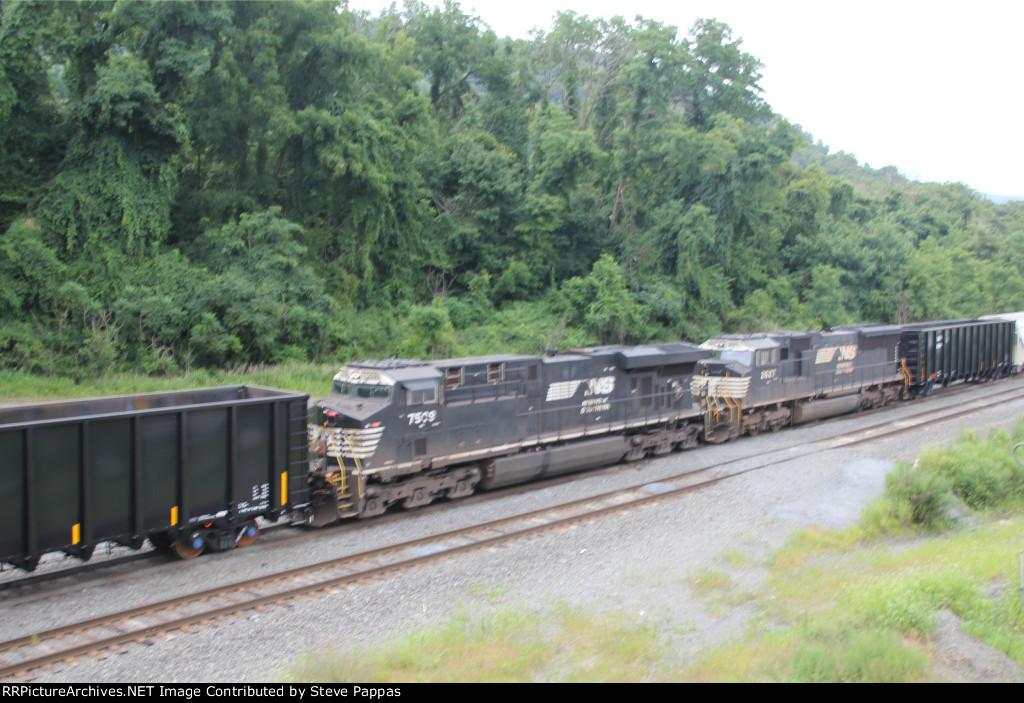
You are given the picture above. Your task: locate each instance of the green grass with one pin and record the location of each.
(505, 645)
(314, 379)
(832, 610)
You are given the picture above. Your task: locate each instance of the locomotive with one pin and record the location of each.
(414, 431)
(197, 470)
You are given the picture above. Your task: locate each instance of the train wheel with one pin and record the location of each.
(189, 548)
(249, 535)
(420, 496)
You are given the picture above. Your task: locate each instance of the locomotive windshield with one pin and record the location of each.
(743, 357)
(361, 390)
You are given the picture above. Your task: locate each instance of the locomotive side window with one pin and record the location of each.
(767, 357)
(421, 396)
(453, 378)
(372, 391)
(495, 373)
(743, 357)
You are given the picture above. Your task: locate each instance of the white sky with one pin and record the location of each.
(933, 88)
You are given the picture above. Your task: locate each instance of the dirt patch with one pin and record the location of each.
(964, 659)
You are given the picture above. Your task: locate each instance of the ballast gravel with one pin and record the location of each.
(638, 564)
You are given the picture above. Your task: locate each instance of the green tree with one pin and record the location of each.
(604, 305)
(33, 136)
(723, 78)
(262, 293)
(453, 49)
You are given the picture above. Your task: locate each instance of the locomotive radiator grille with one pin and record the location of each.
(721, 386)
(352, 443)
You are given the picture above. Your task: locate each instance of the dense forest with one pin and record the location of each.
(196, 184)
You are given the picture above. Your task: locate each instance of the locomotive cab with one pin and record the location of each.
(743, 371)
(368, 400)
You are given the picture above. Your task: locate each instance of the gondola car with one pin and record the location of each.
(189, 470)
(1018, 347)
(957, 350)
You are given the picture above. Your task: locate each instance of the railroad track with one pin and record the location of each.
(113, 632)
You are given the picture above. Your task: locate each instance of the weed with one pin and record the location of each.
(913, 497)
(737, 558)
(561, 644)
(492, 593)
(847, 653)
(707, 581)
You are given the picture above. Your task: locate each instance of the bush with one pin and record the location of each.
(982, 473)
(913, 498)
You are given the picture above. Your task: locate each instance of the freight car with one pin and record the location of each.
(1018, 347)
(189, 470)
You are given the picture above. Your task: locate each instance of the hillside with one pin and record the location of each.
(207, 185)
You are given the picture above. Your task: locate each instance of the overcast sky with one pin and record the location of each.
(933, 88)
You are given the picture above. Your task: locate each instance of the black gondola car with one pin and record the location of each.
(187, 469)
(957, 350)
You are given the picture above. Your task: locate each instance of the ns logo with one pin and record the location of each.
(600, 386)
(848, 352)
(564, 390)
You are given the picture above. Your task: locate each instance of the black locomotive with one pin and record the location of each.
(193, 470)
(413, 431)
(767, 381)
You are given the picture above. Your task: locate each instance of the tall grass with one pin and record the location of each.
(312, 378)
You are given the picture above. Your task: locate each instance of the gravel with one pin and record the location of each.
(637, 563)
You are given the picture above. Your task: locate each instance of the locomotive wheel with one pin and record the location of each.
(249, 535)
(185, 550)
(420, 496)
